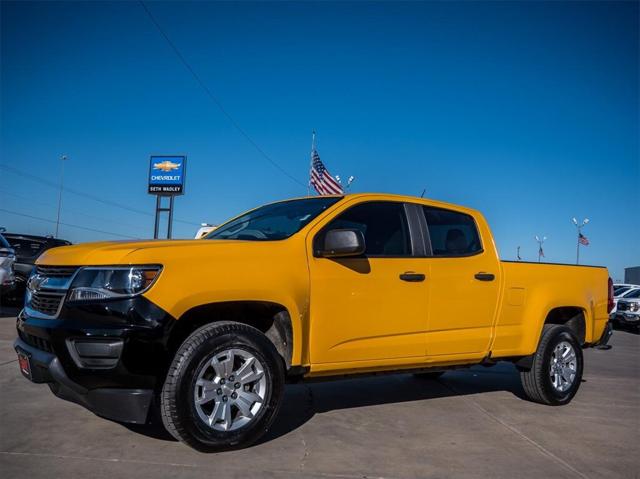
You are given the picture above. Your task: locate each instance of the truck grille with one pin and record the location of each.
(47, 290)
(56, 271)
(46, 302)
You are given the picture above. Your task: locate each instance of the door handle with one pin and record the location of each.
(412, 277)
(484, 276)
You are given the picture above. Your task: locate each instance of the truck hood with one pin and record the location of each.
(119, 252)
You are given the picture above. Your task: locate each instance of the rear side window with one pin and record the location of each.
(383, 224)
(452, 233)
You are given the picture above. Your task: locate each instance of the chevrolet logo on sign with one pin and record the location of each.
(166, 166)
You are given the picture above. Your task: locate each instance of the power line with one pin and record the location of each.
(67, 224)
(31, 201)
(86, 195)
(217, 102)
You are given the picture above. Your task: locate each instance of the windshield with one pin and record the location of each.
(635, 293)
(275, 221)
(620, 290)
(26, 248)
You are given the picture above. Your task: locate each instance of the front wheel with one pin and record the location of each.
(223, 388)
(556, 373)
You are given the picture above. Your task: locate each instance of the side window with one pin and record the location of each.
(383, 224)
(452, 233)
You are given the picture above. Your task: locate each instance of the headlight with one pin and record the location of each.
(634, 306)
(94, 284)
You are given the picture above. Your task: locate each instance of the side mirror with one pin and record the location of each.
(342, 243)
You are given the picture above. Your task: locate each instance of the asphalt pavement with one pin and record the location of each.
(469, 423)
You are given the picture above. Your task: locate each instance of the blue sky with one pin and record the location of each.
(526, 111)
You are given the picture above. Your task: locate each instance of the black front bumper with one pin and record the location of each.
(108, 357)
(126, 405)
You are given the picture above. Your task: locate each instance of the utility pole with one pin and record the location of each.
(579, 226)
(63, 158)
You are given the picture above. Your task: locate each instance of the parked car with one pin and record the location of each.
(619, 288)
(204, 230)
(211, 329)
(7, 277)
(628, 312)
(27, 249)
(623, 293)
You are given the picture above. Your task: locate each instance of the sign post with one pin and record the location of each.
(166, 179)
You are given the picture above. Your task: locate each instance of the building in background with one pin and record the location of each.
(632, 275)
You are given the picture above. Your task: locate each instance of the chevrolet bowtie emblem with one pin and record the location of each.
(166, 166)
(36, 282)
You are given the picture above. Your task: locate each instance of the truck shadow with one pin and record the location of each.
(303, 401)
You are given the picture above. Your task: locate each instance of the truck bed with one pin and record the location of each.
(532, 291)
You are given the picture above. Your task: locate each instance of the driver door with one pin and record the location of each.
(372, 307)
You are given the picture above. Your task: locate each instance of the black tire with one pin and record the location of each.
(428, 375)
(177, 407)
(537, 382)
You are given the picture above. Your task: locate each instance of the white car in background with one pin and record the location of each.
(205, 229)
(620, 288)
(622, 292)
(7, 258)
(628, 309)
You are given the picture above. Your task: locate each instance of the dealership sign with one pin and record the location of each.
(166, 175)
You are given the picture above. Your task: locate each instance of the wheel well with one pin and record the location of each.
(271, 318)
(570, 316)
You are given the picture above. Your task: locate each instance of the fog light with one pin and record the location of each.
(95, 354)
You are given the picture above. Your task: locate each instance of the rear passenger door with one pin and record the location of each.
(463, 284)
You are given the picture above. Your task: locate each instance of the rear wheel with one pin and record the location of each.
(556, 373)
(223, 388)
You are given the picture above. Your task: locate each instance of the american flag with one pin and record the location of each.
(582, 239)
(321, 179)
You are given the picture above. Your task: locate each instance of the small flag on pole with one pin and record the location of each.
(540, 252)
(321, 179)
(583, 239)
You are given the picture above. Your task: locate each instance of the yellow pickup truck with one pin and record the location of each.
(207, 332)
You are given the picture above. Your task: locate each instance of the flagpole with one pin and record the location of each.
(579, 226)
(313, 147)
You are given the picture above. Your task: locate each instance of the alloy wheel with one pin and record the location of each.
(563, 366)
(230, 389)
